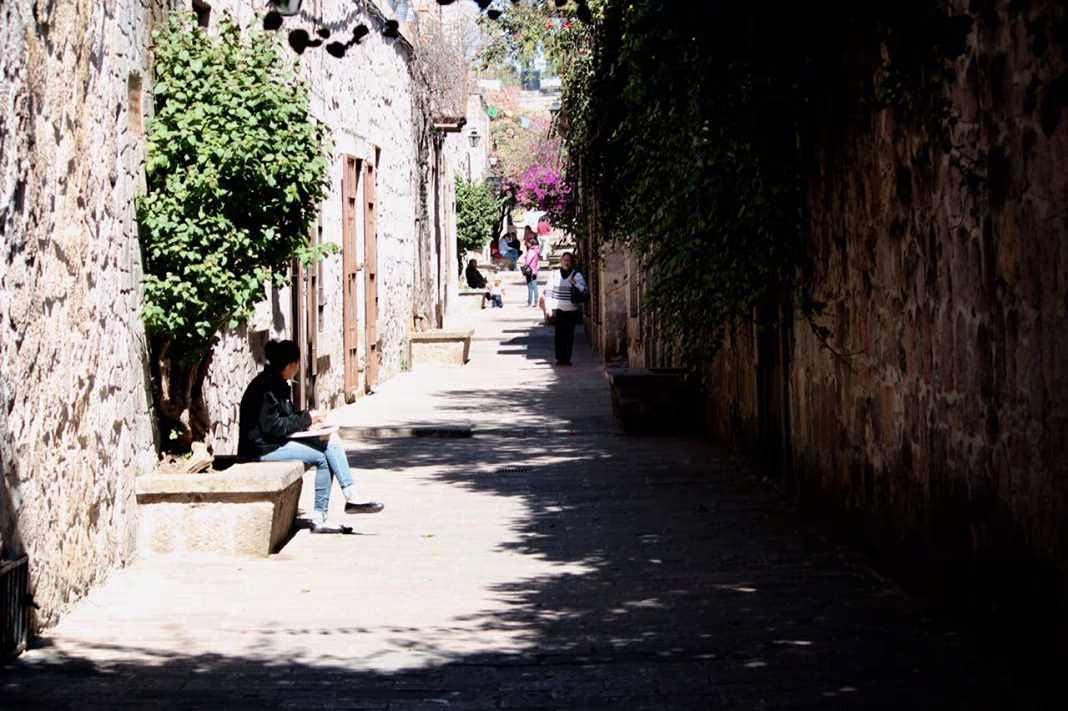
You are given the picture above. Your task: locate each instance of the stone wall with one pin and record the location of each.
(941, 430)
(366, 100)
(932, 422)
(75, 426)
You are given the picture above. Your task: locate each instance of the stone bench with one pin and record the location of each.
(247, 509)
(652, 400)
(472, 299)
(441, 347)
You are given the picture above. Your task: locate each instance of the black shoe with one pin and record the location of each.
(563, 362)
(369, 507)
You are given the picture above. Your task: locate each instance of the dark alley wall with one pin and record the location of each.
(945, 276)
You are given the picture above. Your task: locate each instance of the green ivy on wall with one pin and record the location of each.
(688, 125)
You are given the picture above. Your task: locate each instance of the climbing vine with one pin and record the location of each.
(688, 128)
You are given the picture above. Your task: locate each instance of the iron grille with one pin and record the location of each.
(14, 610)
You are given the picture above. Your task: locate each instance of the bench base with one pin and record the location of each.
(247, 510)
(439, 347)
(651, 400)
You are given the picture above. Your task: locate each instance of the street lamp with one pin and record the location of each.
(286, 8)
(474, 137)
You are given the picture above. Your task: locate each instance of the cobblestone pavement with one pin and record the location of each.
(547, 562)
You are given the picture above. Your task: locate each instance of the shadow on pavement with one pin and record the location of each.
(699, 590)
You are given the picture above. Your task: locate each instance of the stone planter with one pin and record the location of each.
(248, 509)
(651, 400)
(440, 347)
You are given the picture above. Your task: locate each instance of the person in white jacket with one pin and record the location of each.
(564, 295)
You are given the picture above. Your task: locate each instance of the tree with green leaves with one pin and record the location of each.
(236, 168)
(478, 211)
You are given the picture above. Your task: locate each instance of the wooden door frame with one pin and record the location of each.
(305, 288)
(350, 174)
(372, 338)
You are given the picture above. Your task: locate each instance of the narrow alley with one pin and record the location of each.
(545, 562)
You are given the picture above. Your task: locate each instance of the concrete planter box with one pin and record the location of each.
(651, 400)
(441, 347)
(247, 509)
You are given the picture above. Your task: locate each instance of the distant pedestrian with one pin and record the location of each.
(530, 265)
(509, 247)
(268, 421)
(564, 295)
(497, 293)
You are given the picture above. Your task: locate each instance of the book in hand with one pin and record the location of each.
(315, 432)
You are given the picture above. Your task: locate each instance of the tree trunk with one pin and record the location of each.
(178, 396)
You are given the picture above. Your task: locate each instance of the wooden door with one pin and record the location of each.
(350, 293)
(305, 311)
(370, 241)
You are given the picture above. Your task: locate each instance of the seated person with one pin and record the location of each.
(496, 293)
(268, 418)
(474, 277)
(509, 246)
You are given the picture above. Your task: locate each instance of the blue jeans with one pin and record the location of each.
(532, 291)
(510, 254)
(328, 459)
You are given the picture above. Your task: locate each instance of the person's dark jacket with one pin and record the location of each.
(475, 280)
(268, 416)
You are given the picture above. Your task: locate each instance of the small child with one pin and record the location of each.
(497, 293)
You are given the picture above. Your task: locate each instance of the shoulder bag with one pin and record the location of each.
(578, 296)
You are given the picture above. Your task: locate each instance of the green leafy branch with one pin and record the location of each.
(236, 168)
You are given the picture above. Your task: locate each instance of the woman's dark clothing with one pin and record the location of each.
(475, 280)
(268, 416)
(564, 340)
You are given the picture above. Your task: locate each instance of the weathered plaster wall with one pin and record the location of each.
(471, 162)
(478, 124)
(75, 426)
(944, 432)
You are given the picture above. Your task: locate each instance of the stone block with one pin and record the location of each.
(440, 347)
(246, 510)
(651, 400)
(472, 299)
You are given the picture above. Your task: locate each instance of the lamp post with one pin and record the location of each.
(286, 8)
(474, 137)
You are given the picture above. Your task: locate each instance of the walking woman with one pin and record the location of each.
(531, 265)
(268, 419)
(564, 295)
